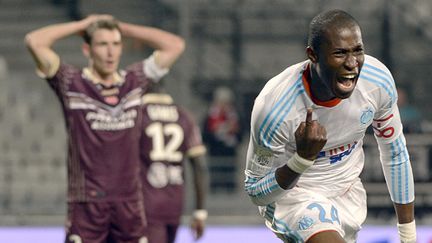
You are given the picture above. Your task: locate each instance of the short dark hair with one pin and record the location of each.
(109, 24)
(325, 20)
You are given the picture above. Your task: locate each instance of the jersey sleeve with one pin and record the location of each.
(61, 79)
(148, 70)
(266, 152)
(152, 70)
(193, 138)
(391, 141)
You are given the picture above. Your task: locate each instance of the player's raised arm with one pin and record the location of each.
(40, 41)
(310, 139)
(168, 46)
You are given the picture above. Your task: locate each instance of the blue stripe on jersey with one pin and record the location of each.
(405, 158)
(389, 83)
(399, 165)
(381, 74)
(406, 174)
(277, 108)
(288, 106)
(392, 170)
(278, 118)
(378, 70)
(296, 85)
(260, 188)
(281, 226)
(399, 171)
(385, 81)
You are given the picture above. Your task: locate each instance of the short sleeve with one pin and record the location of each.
(152, 70)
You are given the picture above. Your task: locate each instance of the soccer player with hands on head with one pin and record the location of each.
(303, 173)
(101, 106)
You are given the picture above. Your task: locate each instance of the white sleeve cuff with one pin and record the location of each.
(299, 164)
(407, 232)
(152, 70)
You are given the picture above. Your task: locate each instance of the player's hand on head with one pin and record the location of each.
(95, 17)
(310, 137)
(104, 17)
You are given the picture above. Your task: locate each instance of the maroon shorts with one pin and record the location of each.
(161, 232)
(93, 222)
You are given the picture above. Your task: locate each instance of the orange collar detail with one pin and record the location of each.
(306, 78)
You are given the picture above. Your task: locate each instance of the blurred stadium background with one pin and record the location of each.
(236, 43)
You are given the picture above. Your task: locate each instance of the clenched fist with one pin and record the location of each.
(310, 137)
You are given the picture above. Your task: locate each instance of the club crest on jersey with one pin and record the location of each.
(366, 116)
(305, 223)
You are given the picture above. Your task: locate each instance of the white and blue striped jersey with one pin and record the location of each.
(280, 108)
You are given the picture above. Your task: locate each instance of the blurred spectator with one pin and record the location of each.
(222, 135)
(410, 115)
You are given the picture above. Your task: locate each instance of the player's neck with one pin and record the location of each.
(319, 89)
(104, 79)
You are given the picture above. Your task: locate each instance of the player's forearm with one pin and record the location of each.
(200, 190)
(404, 212)
(397, 170)
(200, 181)
(265, 190)
(286, 177)
(47, 36)
(406, 224)
(168, 45)
(154, 37)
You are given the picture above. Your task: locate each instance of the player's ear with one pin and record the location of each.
(311, 54)
(85, 48)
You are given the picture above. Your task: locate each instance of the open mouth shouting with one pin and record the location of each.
(346, 83)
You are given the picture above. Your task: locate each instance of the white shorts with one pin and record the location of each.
(302, 213)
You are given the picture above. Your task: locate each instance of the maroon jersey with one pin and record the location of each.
(103, 126)
(169, 136)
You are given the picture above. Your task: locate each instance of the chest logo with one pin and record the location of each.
(366, 116)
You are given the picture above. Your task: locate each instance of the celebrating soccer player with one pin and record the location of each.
(305, 153)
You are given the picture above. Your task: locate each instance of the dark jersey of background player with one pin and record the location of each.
(170, 136)
(101, 106)
(92, 117)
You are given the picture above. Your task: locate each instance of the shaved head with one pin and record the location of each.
(333, 19)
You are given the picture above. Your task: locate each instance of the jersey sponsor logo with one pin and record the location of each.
(366, 116)
(103, 121)
(337, 154)
(105, 117)
(305, 223)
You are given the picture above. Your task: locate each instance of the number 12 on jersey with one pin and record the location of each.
(165, 150)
